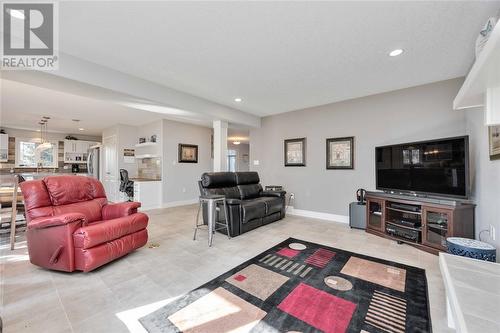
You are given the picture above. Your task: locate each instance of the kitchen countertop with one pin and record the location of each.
(137, 179)
(472, 293)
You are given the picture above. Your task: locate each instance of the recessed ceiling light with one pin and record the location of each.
(238, 99)
(16, 13)
(396, 52)
(236, 143)
(81, 129)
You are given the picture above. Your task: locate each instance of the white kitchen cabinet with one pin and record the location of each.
(76, 151)
(148, 193)
(4, 147)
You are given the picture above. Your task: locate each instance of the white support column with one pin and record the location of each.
(220, 145)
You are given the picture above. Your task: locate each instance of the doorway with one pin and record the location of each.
(238, 150)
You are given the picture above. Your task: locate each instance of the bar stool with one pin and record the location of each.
(212, 201)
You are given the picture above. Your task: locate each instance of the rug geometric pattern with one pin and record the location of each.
(320, 258)
(257, 281)
(286, 265)
(219, 310)
(384, 275)
(387, 312)
(319, 288)
(319, 309)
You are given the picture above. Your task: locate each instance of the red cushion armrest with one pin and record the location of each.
(58, 220)
(121, 209)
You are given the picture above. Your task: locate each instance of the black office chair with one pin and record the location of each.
(126, 185)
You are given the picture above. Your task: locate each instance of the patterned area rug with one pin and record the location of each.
(299, 286)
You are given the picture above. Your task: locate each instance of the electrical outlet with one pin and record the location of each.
(492, 232)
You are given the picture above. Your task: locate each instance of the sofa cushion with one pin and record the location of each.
(273, 204)
(252, 209)
(249, 177)
(89, 259)
(249, 191)
(105, 231)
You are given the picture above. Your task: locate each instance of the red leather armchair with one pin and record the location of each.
(72, 227)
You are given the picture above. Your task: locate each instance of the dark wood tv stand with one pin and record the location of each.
(438, 219)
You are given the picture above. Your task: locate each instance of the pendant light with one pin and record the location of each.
(44, 144)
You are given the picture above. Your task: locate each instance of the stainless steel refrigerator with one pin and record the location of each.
(93, 162)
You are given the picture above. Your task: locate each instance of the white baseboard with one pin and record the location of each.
(290, 210)
(179, 203)
(318, 215)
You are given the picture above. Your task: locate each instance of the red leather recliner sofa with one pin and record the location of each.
(71, 226)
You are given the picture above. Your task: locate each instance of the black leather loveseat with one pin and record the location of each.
(249, 206)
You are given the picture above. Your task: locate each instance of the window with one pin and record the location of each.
(28, 156)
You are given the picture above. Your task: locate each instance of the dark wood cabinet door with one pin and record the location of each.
(375, 214)
(436, 226)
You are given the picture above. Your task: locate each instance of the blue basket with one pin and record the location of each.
(471, 248)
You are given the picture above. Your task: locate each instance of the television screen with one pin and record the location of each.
(438, 167)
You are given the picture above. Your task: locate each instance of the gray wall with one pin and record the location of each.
(486, 178)
(418, 113)
(180, 179)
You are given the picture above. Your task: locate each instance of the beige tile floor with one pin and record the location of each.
(110, 298)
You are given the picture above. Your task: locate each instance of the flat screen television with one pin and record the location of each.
(436, 167)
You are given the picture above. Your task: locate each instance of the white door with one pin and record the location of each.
(110, 167)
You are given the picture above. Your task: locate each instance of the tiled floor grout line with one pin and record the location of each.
(172, 229)
(60, 302)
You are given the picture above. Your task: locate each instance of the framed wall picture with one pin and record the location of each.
(494, 142)
(188, 153)
(340, 153)
(295, 152)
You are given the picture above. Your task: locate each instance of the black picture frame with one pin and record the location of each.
(350, 141)
(182, 155)
(288, 161)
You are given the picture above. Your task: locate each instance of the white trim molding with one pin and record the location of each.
(179, 203)
(318, 215)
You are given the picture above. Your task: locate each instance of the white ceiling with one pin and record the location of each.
(277, 56)
(23, 105)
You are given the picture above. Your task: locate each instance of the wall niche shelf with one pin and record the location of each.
(146, 156)
(146, 144)
(481, 87)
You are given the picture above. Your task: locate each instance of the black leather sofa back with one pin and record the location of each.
(244, 178)
(222, 183)
(248, 185)
(218, 179)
